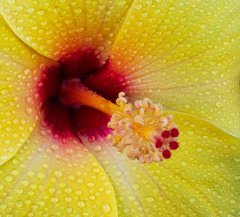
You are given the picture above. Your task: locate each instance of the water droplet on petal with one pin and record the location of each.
(106, 208)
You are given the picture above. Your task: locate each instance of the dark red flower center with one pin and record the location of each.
(76, 121)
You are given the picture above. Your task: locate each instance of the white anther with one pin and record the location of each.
(109, 137)
(128, 141)
(142, 159)
(156, 109)
(141, 111)
(164, 121)
(127, 108)
(156, 157)
(128, 126)
(123, 99)
(132, 152)
(138, 104)
(145, 102)
(121, 94)
(149, 158)
(139, 119)
(170, 117)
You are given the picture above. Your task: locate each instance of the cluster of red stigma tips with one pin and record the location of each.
(167, 142)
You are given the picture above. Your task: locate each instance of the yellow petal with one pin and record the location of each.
(45, 179)
(200, 179)
(185, 54)
(18, 64)
(53, 26)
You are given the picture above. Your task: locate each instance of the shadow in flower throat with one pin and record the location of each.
(66, 121)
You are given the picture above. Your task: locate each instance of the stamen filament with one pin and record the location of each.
(73, 92)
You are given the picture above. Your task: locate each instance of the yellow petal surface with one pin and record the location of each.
(54, 26)
(18, 71)
(200, 179)
(185, 54)
(43, 179)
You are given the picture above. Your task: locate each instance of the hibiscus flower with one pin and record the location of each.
(119, 108)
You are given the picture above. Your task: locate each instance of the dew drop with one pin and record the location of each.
(149, 199)
(58, 173)
(11, 2)
(106, 208)
(218, 104)
(81, 204)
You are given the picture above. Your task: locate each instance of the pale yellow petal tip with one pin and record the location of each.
(141, 131)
